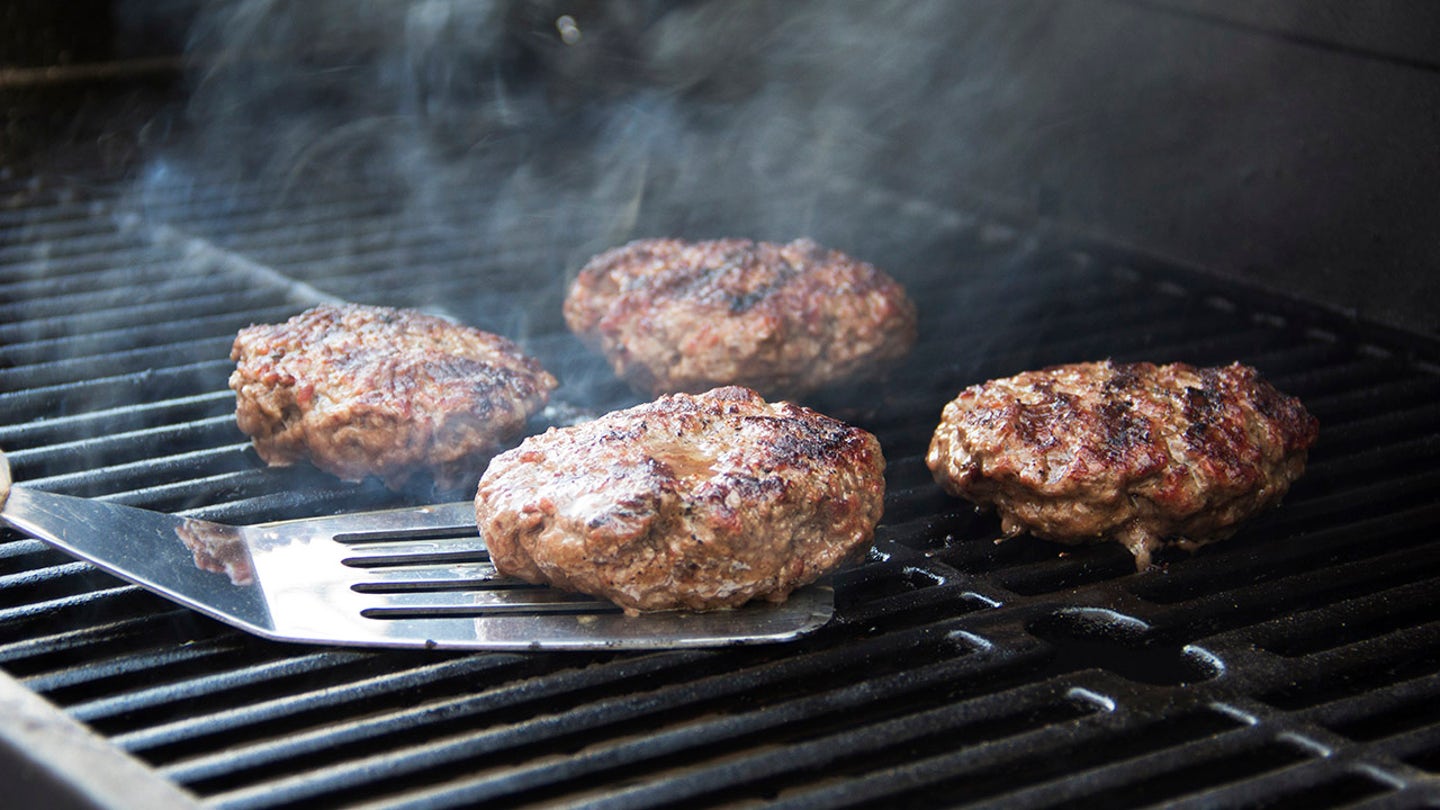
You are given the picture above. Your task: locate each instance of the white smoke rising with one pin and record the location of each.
(531, 135)
(687, 101)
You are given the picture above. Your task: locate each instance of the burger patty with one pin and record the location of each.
(691, 501)
(785, 320)
(394, 393)
(1136, 453)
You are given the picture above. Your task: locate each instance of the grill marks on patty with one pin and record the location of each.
(360, 390)
(691, 501)
(785, 319)
(1137, 453)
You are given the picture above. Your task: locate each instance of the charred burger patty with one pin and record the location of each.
(783, 319)
(1136, 453)
(691, 501)
(361, 390)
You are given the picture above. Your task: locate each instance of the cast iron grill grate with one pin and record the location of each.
(1293, 666)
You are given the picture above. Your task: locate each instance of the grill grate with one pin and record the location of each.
(1293, 666)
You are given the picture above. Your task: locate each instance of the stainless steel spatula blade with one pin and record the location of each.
(417, 577)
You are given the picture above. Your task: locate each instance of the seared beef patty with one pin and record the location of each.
(782, 319)
(361, 390)
(1137, 453)
(691, 501)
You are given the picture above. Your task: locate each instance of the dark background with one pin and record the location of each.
(1292, 145)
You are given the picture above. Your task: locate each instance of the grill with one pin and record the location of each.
(1292, 666)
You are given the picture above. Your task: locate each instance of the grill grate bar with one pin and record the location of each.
(213, 213)
(44, 238)
(17, 220)
(1033, 710)
(1273, 773)
(145, 424)
(33, 654)
(1320, 369)
(1418, 750)
(1161, 347)
(91, 602)
(1406, 456)
(102, 325)
(65, 256)
(1314, 506)
(39, 575)
(1366, 616)
(79, 456)
(1064, 764)
(111, 392)
(1081, 311)
(699, 734)
(17, 548)
(668, 698)
(1366, 666)
(54, 583)
(111, 480)
(1383, 428)
(248, 495)
(1186, 583)
(249, 749)
(95, 674)
(681, 692)
(989, 768)
(113, 281)
(134, 366)
(1322, 587)
(231, 678)
(336, 220)
(1385, 713)
(1378, 395)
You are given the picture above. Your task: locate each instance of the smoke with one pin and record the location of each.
(581, 123)
(574, 125)
(466, 157)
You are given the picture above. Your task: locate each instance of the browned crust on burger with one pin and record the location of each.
(785, 320)
(1137, 453)
(361, 390)
(692, 501)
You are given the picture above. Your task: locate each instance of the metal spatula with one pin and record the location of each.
(415, 577)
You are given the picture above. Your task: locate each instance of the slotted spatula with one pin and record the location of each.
(417, 577)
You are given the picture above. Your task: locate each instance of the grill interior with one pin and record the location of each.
(1292, 666)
